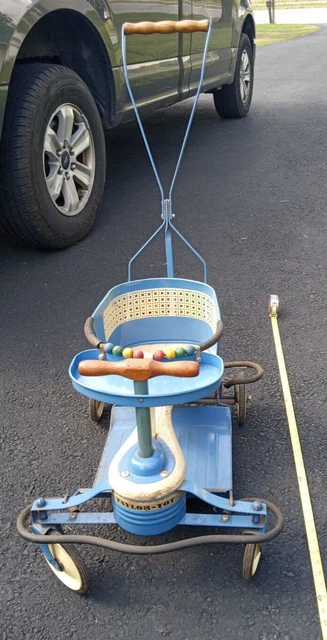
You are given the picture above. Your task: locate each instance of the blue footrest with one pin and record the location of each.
(205, 436)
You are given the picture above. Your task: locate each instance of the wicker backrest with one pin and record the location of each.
(159, 303)
(131, 314)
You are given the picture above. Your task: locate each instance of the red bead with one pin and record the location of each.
(138, 353)
(159, 355)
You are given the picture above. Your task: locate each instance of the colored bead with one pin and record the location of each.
(189, 350)
(117, 351)
(108, 347)
(170, 354)
(138, 353)
(158, 355)
(128, 353)
(180, 352)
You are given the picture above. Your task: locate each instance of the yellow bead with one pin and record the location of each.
(128, 353)
(170, 354)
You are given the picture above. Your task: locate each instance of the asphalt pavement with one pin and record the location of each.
(252, 198)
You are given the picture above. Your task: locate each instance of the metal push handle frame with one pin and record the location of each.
(182, 26)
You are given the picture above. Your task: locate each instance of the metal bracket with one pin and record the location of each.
(42, 531)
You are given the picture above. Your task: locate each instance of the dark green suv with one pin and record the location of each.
(62, 87)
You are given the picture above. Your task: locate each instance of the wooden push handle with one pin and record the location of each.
(139, 369)
(166, 26)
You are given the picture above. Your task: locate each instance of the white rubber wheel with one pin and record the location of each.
(251, 558)
(241, 401)
(74, 573)
(96, 409)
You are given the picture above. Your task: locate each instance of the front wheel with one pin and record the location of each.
(52, 158)
(73, 572)
(234, 100)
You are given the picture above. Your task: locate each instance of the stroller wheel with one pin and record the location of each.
(251, 558)
(73, 572)
(240, 395)
(96, 409)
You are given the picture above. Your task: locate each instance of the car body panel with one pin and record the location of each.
(16, 24)
(163, 69)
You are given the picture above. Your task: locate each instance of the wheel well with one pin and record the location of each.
(249, 29)
(68, 38)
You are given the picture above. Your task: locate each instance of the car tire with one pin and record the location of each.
(47, 102)
(234, 100)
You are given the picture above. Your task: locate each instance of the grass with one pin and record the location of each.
(290, 4)
(270, 33)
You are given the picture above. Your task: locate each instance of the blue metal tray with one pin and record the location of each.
(163, 390)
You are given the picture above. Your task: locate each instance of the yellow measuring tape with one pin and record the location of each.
(310, 527)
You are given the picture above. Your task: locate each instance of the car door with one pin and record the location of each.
(153, 60)
(219, 54)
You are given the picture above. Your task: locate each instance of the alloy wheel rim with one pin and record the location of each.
(245, 76)
(69, 159)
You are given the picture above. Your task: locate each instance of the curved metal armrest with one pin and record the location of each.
(249, 365)
(95, 342)
(89, 334)
(215, 338)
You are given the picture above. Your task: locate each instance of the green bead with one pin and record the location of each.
(117, 351)
(180, 352)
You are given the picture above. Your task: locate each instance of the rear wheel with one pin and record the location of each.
(240, 393)
(251, 558)
(234, 100)
(52, 161)
(96, 409)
